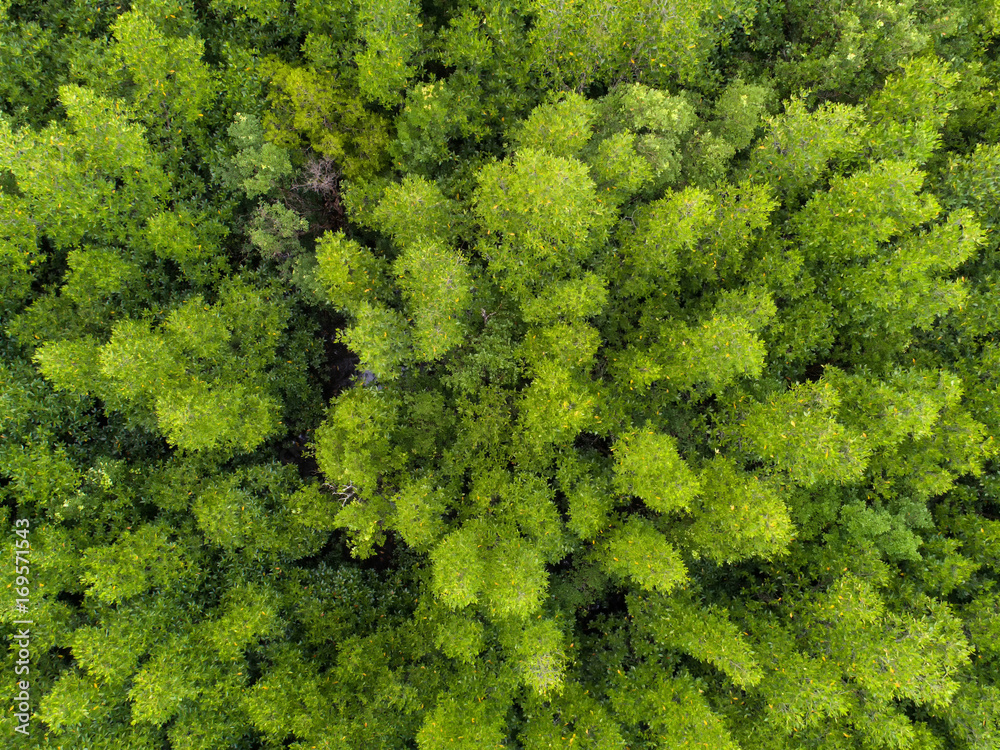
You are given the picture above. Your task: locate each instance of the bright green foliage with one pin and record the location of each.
(970, 182)
(799, 146)
(948, 570)
(711, 355)
(468, 716)
(437, 289)
(262, 11)
(664, 229)
(502, 568)
(486, 44)
(539, 656)
(540, 219)
(906, 405)
(198, 418)
(328, 115)
(259, 166)
(350, 275)
(557, 405)
(248, 614)
(459, 571)
(54, 568)
(737, 112)
(275, 230)
(390, 34)
(313, 508)
(639, 552)
(415, 211)
(460, 637)
(529, 503)
(572, 716)
(884, 652)
(798, 432)
(250, 508)
(619, 169)
(515, 581)
(562, 128)
(353, 446)
(984, 622)
(740, 516)
(742, 210)
(850, 49)
(18, 251)
(972, 715)
(911, 293)
(134, 564)
(692, 233)
(174, 236)
(801, 690)
(200, 376)
(68, 175)
(910, 110)
(585, 40)
(833, 684)
(672, 708)
(589, 497)
(706, 633)
(95, 274)
(735, 118)
(433, 115)
(496, 374)
(382, 339)
(282, 702)
(485, 424)
(571, 299)
(73, 701)
(175, 674)
(859, 212)
(169, 80)
(42, 474)
(648, 466)
(419, 510)
(215, 721)
(34, 56)
(658, 122)
(752, 303)
(565, 345)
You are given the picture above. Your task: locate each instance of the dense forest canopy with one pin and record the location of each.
(500, 373)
